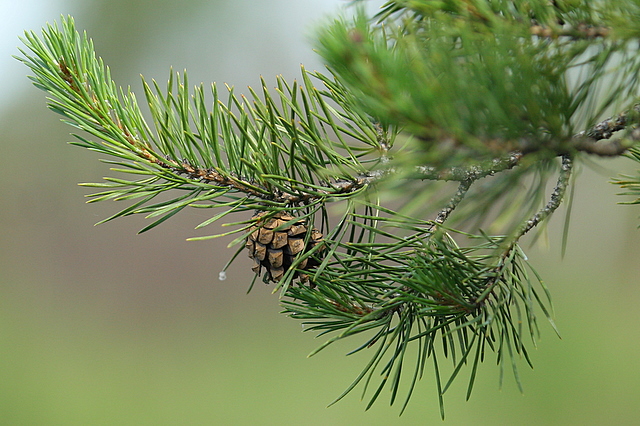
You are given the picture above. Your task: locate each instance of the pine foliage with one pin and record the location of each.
(436, 132)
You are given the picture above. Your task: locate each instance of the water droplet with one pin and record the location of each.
(222, 275)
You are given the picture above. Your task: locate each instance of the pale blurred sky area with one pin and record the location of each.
(16, 17)
(102, 326)
(250, 34)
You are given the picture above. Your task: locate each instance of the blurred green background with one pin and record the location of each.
(99, 325)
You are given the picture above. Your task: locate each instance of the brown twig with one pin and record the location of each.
(580, 32)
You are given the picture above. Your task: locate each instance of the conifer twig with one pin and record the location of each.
(555, 199)
(443, 215)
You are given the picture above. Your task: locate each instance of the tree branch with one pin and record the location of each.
(613, 148)
(554, 202)
(580, 32)
(444, 214)
(472, 173)
(587, 141)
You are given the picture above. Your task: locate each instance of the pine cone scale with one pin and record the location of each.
(277, 250)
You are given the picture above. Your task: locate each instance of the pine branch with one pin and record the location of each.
(282, 155)
(453, 203)
(581, 32)
(471, 173)
(385, 63)
(556, 197)
(586, 141)
(477, 92)
(554, 202)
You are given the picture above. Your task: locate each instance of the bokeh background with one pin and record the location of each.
(101, 326)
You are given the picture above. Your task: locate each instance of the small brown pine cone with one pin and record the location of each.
(276, 250)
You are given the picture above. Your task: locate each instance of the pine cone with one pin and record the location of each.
(277, 250)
